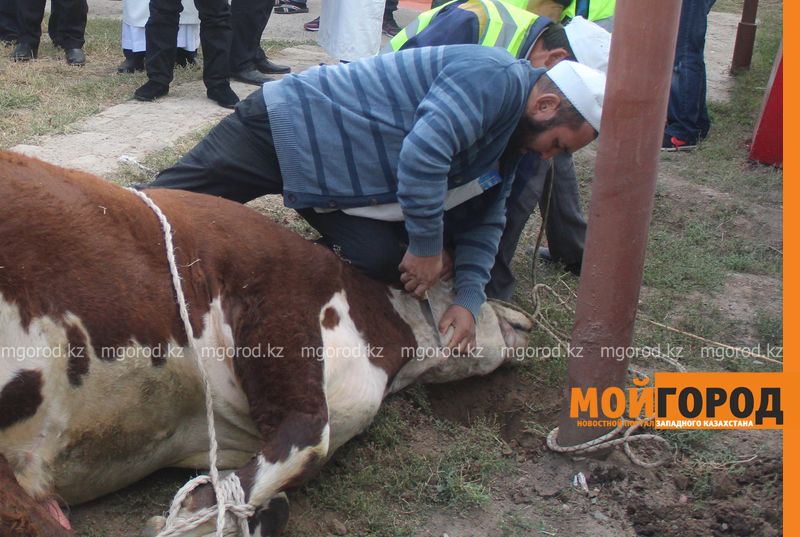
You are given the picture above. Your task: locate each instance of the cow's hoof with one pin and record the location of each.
(272, 519)
(154, 526)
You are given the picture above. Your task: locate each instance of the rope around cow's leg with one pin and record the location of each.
(229, 493)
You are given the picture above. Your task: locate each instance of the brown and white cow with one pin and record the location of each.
(98, 388)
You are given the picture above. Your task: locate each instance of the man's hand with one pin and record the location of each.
(418, 274)
(463, 324)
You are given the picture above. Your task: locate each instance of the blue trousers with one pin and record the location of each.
(687, 114)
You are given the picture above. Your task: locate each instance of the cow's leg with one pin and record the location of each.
(287, 403)
(271, 519)
(22, 516)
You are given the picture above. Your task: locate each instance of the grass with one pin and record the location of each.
(377, 480)
(46, 96)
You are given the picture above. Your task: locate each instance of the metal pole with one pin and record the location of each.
(745, 37)
(634, 112)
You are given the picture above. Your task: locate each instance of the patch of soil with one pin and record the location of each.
(501, 397)
(747, 295)
(684, 498)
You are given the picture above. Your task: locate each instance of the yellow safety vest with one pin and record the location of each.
(505, 25)
(593, 10)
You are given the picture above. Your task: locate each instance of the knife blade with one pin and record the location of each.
(427, 312)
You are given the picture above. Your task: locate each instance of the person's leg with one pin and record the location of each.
(525, 194)
(29, 21)
(374, 247)
(248, 20)
(8, 21)
(215, 39)
(688, 80)
(52, 23)
(390, 26)
(566, 225)
(704, 122)
(71, 23)
(236, 160)
(162, 34)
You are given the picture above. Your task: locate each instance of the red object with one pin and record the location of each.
(767, 146)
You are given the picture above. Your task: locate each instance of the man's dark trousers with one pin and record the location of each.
(8, 20)
(248, 20)
(241, 149)
(161, 33)
(71, 22)
(565, 226)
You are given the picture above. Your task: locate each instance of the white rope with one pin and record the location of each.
(229, 493)
(610, 440)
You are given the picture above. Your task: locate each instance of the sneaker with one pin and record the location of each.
(390, 26)
(671, 143)
(312, 26)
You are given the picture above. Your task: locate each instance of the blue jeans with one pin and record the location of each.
(687, 114)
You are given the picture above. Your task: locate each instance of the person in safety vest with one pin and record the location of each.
(526, 35)
(598, 11)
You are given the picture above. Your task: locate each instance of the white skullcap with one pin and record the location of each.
(589, 42)
(583, 86)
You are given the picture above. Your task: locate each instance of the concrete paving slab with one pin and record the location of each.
(136, 129)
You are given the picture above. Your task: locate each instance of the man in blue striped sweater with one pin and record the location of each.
(393, 157)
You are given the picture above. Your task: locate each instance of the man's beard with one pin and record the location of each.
(526, 133)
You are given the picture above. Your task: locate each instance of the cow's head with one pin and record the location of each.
(500, 331)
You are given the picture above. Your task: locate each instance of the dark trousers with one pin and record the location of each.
(687, 114)
(161, 33)
(565, 226)
(237, 161)
(70, 23)
(8, 20)
(248, 20)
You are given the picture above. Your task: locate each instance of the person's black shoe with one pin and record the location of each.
(75, 56)
(24, 52)
(134, 61)
(545, 255)
(185, 58)
(150, 91)
(250, 76)
(390, 26)
(223, 95)
(268, 68)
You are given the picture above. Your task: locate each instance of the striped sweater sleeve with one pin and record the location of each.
(456, 112)
(476, 245)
